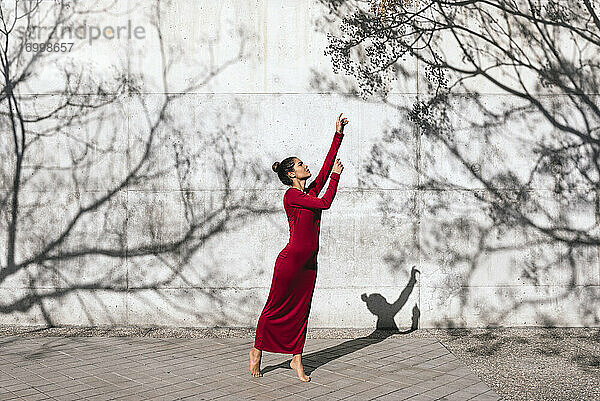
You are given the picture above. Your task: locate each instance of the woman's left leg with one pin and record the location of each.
(305, 287)
(296, 364)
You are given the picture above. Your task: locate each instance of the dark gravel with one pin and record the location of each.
(531, 363)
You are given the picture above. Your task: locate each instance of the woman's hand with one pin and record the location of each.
(340, 124)
(338, 167)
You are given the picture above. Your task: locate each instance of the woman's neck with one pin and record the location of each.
(299, 185)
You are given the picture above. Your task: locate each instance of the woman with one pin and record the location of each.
(284, 319)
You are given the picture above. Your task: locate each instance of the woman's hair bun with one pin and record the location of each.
(275, 166)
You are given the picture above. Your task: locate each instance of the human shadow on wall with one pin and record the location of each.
(385, 327)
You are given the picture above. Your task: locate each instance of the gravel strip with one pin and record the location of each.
(531, 363)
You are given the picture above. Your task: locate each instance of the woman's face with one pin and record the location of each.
(301, 170)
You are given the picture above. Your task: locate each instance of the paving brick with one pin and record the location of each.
(10, 396)
(367, 395)
(399, 395)
(25, 392)
(15, 385)
(34, 397)
(294, 388)
(133, 397)
(295, 398)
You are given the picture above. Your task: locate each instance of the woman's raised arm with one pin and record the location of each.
(317, 185)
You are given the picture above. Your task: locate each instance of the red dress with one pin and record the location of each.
(283, 322)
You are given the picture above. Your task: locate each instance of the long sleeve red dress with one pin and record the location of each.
(283, 322)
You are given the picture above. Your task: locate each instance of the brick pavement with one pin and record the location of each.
(137, 368)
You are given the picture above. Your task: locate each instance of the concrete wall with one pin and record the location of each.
(192, 239)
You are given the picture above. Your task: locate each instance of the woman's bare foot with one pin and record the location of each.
(296, 364)
(255, 356)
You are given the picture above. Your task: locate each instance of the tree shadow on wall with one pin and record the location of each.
(503, 141)
(99, 181)
(385, 327)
